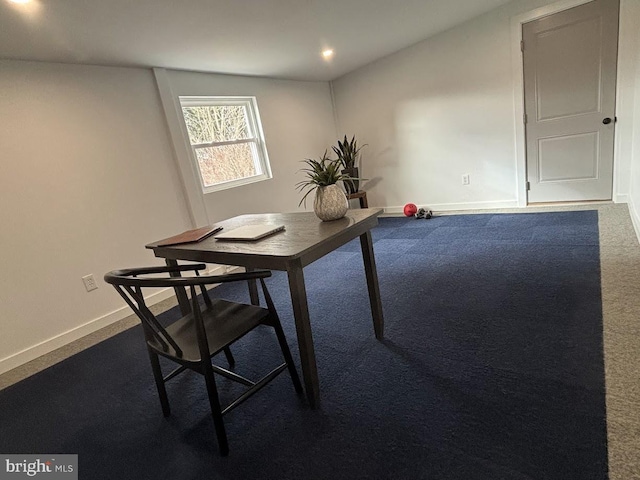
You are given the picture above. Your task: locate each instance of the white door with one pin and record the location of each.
(570, 77)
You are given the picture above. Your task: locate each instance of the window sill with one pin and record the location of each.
(235, 183)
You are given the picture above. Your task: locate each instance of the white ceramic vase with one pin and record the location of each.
(331, 203)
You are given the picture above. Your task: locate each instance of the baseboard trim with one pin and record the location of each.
(65, 338)
(444, 207)
(621, 198)
(635, 219)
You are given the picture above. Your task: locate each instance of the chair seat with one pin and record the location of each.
(225, 322)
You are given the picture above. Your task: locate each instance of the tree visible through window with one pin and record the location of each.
(226, 140)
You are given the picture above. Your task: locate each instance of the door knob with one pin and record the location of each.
(606, 121)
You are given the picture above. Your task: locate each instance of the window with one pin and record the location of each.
(226, 140)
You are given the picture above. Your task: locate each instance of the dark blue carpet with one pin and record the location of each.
(491, 368)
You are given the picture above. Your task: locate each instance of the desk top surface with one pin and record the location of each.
(305, 237)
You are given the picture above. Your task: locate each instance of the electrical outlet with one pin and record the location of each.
(465, 179)
(89, 282)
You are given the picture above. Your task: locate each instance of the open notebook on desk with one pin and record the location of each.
(249, 233)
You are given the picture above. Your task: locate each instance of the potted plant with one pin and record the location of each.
(348, 154)
(330, 202)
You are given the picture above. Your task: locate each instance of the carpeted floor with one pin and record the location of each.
(491, 368)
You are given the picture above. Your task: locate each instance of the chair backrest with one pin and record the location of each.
(130, 287)
(129, 283)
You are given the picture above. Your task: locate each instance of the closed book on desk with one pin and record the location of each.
(190, 236)
(249, 233)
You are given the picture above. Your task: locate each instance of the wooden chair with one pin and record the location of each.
(192, 340)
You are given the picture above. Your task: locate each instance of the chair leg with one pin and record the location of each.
(216, 410)
(229, 355)
(286, 353)
(157, 375)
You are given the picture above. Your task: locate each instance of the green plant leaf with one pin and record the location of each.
(348, 152)
(319, 173)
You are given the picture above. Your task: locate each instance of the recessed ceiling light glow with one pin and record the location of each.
(327, 54)
(19, 1)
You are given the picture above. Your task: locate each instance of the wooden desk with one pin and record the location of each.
(305, 240)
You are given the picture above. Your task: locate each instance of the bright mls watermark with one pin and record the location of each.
(51, 467)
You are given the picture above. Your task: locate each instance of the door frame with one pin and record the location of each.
(517, 69)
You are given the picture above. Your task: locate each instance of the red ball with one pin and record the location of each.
(410, 210)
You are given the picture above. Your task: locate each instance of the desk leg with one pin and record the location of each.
(181, 294)
(253, 288)
(366, 243)
(303, 329)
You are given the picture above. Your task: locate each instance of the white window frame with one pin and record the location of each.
(256, 139)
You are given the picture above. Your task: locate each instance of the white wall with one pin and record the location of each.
(88, 177)
(297, 119)
(625, 99)
(633, 13)
(440, 109)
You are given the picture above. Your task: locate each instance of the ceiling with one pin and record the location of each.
(274, 38)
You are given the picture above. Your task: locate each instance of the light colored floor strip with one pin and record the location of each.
(620, 264)
(620, 268)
